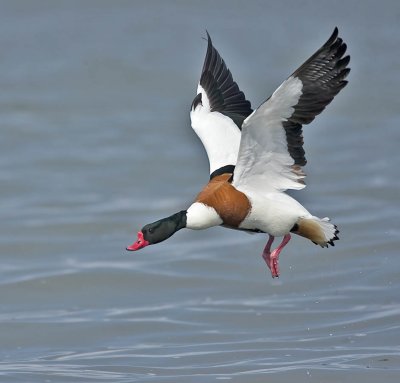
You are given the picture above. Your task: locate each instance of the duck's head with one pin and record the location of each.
(150, 234)
(159, 231)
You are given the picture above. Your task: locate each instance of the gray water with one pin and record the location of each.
(96, 142)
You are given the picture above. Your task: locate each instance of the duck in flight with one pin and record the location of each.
(255, 156)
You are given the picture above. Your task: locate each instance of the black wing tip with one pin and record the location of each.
(208, 38)
(335, 42)
(323, 76)
(344, 61)
(222, 91)
(333, 37)
(335, 33)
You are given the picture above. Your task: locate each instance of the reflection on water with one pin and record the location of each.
(96, 142)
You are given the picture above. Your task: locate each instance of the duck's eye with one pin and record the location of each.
(151, 230)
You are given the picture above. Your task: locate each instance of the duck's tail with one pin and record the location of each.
(318, 230)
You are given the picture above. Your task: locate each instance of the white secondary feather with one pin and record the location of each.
(218, 133)
(264, 163)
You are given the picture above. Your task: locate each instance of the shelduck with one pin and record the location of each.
(255, 156)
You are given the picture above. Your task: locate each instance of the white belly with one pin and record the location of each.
(274, 213)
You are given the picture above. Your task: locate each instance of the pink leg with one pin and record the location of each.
(267, 251)
(272, 259)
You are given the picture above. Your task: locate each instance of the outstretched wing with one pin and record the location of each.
(271, 150)
(217, 113)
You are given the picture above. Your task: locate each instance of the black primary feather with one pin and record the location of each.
(323, 76)
(223, 93)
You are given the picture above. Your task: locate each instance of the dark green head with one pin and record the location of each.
(159, 231)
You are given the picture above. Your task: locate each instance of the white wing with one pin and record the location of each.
(271, 149)
(218, 112)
